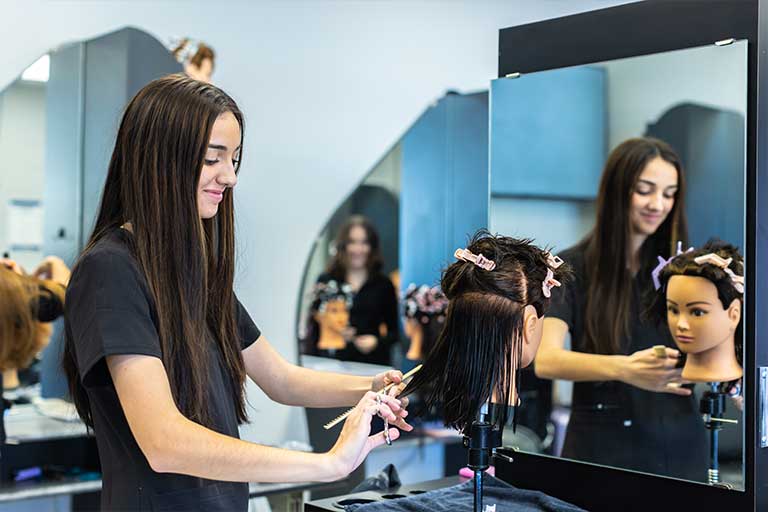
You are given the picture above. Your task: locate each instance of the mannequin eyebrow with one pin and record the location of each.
(698, 302)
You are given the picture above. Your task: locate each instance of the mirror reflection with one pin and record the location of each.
(622, 166)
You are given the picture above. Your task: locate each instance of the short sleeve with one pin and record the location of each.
(246, 327)
(108, 312)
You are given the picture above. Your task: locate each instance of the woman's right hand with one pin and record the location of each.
(355, 442)
(645, 370)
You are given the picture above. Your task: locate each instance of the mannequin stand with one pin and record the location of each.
(483, 439)
(712, 407)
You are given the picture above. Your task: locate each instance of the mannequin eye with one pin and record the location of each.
(672, 309)
(698, 312)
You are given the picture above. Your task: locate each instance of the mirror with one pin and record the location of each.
(551, 136)
(57, 126)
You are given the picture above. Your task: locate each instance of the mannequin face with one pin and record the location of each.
(335, 316)
(696, 316)
(653, 196)
(221, 160)
(358, 248)
(533, 328)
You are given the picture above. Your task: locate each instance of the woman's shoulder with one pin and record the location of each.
(108, 262)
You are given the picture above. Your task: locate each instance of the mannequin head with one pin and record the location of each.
(493, 327)
(21, 335)
(197, 58)
(701, 299)
(330, 314)
(424, 317)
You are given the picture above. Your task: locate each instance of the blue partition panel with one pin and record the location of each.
(548, 133)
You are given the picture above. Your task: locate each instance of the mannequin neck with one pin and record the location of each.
(416, 334)
(10, 378)
(717, 364)
(330, 339)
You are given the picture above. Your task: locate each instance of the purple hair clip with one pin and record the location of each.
(478, 259)
(663, 263)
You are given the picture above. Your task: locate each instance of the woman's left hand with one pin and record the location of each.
(366, 343)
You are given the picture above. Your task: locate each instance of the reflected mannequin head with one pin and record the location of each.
(356, 248)
(703, 308)
(334, 315)
(21, 335)
(640, 214)
(197, 58)
(174, 162)
(329, 317)
(424, 318)
(493, 328)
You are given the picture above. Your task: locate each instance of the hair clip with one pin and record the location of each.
(479, 260)
(553, 261)
(723, 264)
(664, 262)
(549, 283)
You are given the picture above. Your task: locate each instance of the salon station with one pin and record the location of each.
(508, 256)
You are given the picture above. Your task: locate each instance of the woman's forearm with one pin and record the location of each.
(310, 388)
(578, 366)
(188, 448)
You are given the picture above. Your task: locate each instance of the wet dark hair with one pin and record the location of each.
(685, 265)
(337, 268)
(479, 350)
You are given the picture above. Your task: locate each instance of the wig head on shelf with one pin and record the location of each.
(492, 326)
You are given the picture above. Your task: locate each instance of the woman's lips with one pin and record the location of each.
(215, 195)
(651, 217)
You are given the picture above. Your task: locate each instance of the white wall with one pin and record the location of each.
(327, 87)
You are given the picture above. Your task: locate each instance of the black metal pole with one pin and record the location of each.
(478, 491)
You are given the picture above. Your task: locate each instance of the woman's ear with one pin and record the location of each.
(734, 313)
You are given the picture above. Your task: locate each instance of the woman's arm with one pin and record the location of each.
(173, 444)
(289, 384)
(643, 369)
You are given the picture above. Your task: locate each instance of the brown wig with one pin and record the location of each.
(478, 353)
(337, 268)
(187, 262)
(685, 265)
(183, 53)
(22, 336)
(609, 293)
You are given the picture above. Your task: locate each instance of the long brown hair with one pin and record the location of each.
(337, 268)
(188, 262)
(21, 335)
(609, 293)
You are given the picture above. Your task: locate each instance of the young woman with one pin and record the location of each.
(628, 409)
(157, 344)
(373, 316)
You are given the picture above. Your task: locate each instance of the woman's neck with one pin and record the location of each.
(717, 364)
(357, 277)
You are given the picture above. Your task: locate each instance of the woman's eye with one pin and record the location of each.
(670, 195)
(643, 191)
(211, 162)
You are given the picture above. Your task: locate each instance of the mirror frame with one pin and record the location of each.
(631, 30)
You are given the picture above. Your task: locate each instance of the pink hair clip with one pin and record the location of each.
(722, 263)
(663, 263)
(550, 282)
(553, 261)
(479, 260)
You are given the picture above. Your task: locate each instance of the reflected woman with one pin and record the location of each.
(628, 409)
(373, 315)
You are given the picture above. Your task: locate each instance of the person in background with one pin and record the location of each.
(373, 320)
(628, 408)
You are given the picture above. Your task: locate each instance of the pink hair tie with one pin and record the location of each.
(478, 259)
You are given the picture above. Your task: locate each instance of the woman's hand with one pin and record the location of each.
(645, 370)
(384, 379)
(12, 266)
(366, 343)
(355, 441)
(55, 269)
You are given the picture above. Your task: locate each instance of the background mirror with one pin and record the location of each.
(58, 121)
(550, 135)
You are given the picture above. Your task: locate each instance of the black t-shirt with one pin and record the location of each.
(109, 311)
(617, 424)
(374, 312)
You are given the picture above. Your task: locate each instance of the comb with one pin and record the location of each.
(386, 389)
